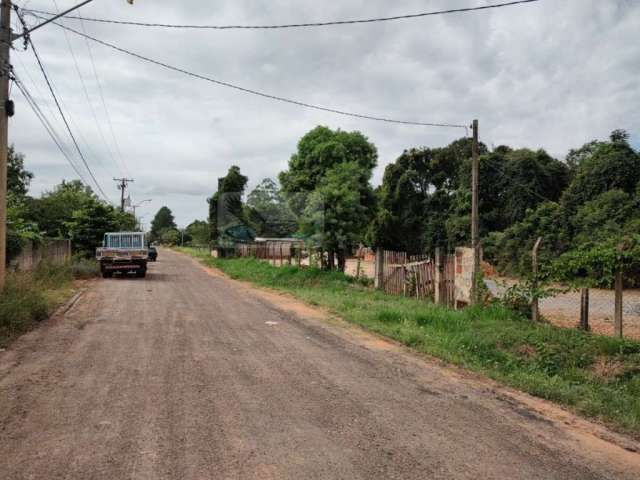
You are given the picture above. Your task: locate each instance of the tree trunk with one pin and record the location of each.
(342, 260)
(331, 260)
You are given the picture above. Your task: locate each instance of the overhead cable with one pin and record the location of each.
(293, 25)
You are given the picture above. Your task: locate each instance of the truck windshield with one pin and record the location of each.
(125, 240)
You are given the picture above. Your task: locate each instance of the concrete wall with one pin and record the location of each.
(54, 251)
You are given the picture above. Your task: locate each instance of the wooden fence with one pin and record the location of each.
(277, 253)
(418, 276)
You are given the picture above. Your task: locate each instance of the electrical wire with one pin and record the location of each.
(46, 124)
(295, 25)
(66, 123)
(256, 92)
(104, 104)
(88, 99)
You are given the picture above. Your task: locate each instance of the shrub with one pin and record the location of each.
(22, 304)
(84, 268)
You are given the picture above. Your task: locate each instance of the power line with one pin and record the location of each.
(295, 25)
(86, 95)
(66, 123)
(256, 92)
(104, 104)
(46, 124)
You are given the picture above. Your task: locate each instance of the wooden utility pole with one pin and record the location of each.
(475, 221)
(122, 186)
(5, 66)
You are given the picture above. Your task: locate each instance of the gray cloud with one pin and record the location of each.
(551, 75)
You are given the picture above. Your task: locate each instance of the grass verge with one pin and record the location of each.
(30, 297)
(596, 376)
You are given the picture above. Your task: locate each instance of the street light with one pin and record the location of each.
(134, 207)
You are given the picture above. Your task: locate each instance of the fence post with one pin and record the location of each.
(379, 281)
(437, 278)
(535, 307)
(584, 309)
(618, 306)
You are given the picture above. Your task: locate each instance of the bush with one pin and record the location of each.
(84, 268)
(30, 297)
(22, 304)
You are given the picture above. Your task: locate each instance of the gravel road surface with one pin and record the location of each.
(190, 375)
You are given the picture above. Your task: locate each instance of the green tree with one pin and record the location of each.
(18, 179)
(88, 225)
(319, 151)
(268, 212)
(607, 216)
(510, 251)
(163, 220)
(612, 165)
(169, 236)
(511, 183)
(336, 215)
(198, 232)
(417, 193)
(311, 185)
(55, 208)
(225, 206)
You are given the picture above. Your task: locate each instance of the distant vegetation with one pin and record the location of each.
(586, 207)
(71, 210)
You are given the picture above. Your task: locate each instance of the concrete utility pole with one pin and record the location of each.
(5, 66)
(123, 182)
(475, 220)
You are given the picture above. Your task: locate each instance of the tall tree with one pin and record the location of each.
(163, 220)
(607, 166)
(268, 211)
(198, 232)
(324, 158)
(416, 196)
(225, 206)
(336, 215)
(18, 179)
(318, 151)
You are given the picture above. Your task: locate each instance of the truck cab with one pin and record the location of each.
(123, 252)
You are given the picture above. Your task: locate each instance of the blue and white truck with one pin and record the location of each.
(123, 252)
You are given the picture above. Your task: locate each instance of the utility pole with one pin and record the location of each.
(122, 186)
(5, 68)
(475, 221)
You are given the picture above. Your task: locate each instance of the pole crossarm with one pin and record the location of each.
(17, 36)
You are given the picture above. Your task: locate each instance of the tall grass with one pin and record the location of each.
(30, 297)
(596, 376)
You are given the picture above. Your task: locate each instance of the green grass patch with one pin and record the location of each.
(30, 297)
(596, 376)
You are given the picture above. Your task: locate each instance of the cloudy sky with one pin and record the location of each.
(552, 74)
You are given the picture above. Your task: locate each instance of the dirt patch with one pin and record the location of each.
(526, 351)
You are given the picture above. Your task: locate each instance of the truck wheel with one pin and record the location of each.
(141, 273)
(106, 274)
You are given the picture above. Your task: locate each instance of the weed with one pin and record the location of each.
(30, 297)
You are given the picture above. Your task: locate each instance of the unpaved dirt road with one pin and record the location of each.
(188, 375)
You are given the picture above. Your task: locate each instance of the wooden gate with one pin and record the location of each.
(408, 276)
(447, 287)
